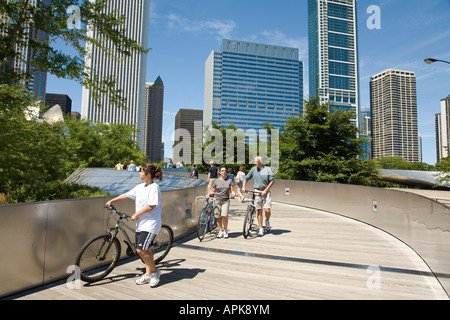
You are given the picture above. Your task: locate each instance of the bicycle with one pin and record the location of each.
(100, 255)
(250, 226)
(207, 221)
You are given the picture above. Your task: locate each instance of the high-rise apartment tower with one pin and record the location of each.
(333, 53)
(248, 84)
(393, 101)
(130, 72)
(443, 130)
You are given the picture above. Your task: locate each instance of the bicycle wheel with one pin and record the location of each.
(162, 243)
(202, 225)
(248, 222)
(98, 257)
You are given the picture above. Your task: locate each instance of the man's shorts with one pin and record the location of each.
(223, 208)
(144, 240)
(263, 202)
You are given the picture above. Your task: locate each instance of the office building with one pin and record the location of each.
(129, 71)
(443, 130)
(63, 100)
(189, 120)
(153, 120)
(393, 100)
(248, 84)
(333, 53)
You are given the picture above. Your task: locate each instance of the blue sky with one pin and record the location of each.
(183, 33)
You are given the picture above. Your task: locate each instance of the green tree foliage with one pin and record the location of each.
(101, 145)
(220, 154)
(323, 146)
(399, 163)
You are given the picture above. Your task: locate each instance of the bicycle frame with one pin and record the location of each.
(113, 231)
(251, 213)
(120, 225)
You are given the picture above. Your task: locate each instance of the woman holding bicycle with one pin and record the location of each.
(147, 197)
(221, 189)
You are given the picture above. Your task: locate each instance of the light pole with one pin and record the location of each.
(431, 60)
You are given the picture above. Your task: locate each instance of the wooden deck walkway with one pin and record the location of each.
(309, 255)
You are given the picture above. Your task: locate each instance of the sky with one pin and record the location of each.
(182, 34)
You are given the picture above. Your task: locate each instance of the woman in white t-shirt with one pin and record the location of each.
(147, 197)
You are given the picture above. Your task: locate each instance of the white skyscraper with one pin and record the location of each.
(130, 72)
(443, 130)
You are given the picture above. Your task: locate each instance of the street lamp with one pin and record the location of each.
(431, 60)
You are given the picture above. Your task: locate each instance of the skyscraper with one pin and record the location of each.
(191, 121)
(21, 63)
(443, 130)
(130, 72)
(247, 84)
(438, 128)
(333, 53)
(63, 100)
(153, 119)
(393, 101)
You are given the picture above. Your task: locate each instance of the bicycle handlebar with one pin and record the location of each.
(253, 191)
(122, 215)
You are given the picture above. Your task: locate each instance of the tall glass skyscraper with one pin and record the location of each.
(130, 72)
(333, 53)
(248, 84)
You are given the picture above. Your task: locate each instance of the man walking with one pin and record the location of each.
(263, 181)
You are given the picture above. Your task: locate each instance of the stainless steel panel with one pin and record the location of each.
(22, 246)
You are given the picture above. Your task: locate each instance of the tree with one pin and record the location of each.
(101, 145)
(323, 146)
(36, 156)
(400, 163)
(18, 17)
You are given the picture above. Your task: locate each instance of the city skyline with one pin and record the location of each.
(182, 35)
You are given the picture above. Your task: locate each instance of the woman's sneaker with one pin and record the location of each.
(220, 234)
(225, 233)
(154, 278)
(143, 280)
(261, 232)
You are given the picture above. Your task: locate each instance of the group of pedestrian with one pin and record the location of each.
(127, 167)
(147, 197)
(221, 186)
